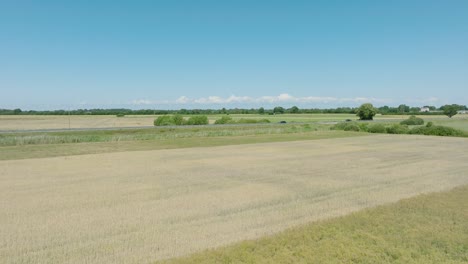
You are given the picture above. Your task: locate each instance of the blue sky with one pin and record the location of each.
(211, 54)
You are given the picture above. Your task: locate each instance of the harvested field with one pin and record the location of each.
(141, 206)
(31, 122)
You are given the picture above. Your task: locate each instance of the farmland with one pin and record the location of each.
(233, 132)
(38, 122)
(409, 231)
(121, 206)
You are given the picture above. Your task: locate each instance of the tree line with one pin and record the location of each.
(385, 110)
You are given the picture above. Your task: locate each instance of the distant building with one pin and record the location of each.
(463, 112)
(424, 109)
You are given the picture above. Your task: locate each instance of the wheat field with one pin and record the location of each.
(142, 206)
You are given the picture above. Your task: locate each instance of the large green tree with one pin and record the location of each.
(294, 110)
(451, 110)
(366, 112)
(278, 110)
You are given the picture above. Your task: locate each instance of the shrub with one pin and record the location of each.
(197, 120)
(246, 121)
(178, 120)
(228, 120)
(351, 127)
(438, 131)
(397, 129)
(224, 120)
(265, 121)
(346, 126)
(376, 128)
(339, 126)
(363, 126)
(164, 120)
(412, 121)
(366, 112)
(120, 115)
(429, 124)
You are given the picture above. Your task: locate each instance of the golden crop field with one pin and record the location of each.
(28, 122)
(143, 206)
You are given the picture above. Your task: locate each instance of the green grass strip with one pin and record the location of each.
(430, 228)
(169, 142)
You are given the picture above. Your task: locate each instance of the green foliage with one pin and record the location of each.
(366, 112)
(294, 110)
(229, 120)
(429, 129)
(178, 120)
(351, 126)
(397, 129)
(363, 126)
(451, 110)
(425, 229)
(164, 120)
(413, 121)
(246, 121)
(264, 121)
(403, 109)
(343, 125)
(429, 124)
(376, 128)
(120, 115)
(224, 120)
(197, 120)
(437, 131)
(251, 121)
(278, 110)
(346, 126)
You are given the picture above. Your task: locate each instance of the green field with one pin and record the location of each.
(53, 144)
(429, 228)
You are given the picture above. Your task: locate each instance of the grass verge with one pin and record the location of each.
(430, 228)
(169, 142)
(64, 137)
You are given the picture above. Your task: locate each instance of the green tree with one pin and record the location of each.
(366, 112)
(403, 109)
(278, 110)
(451, 110)
(294, 110)
(261, 110)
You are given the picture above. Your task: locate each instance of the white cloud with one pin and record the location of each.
(182, 100)
(267, 99)
(141, 102)
(282, 98)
